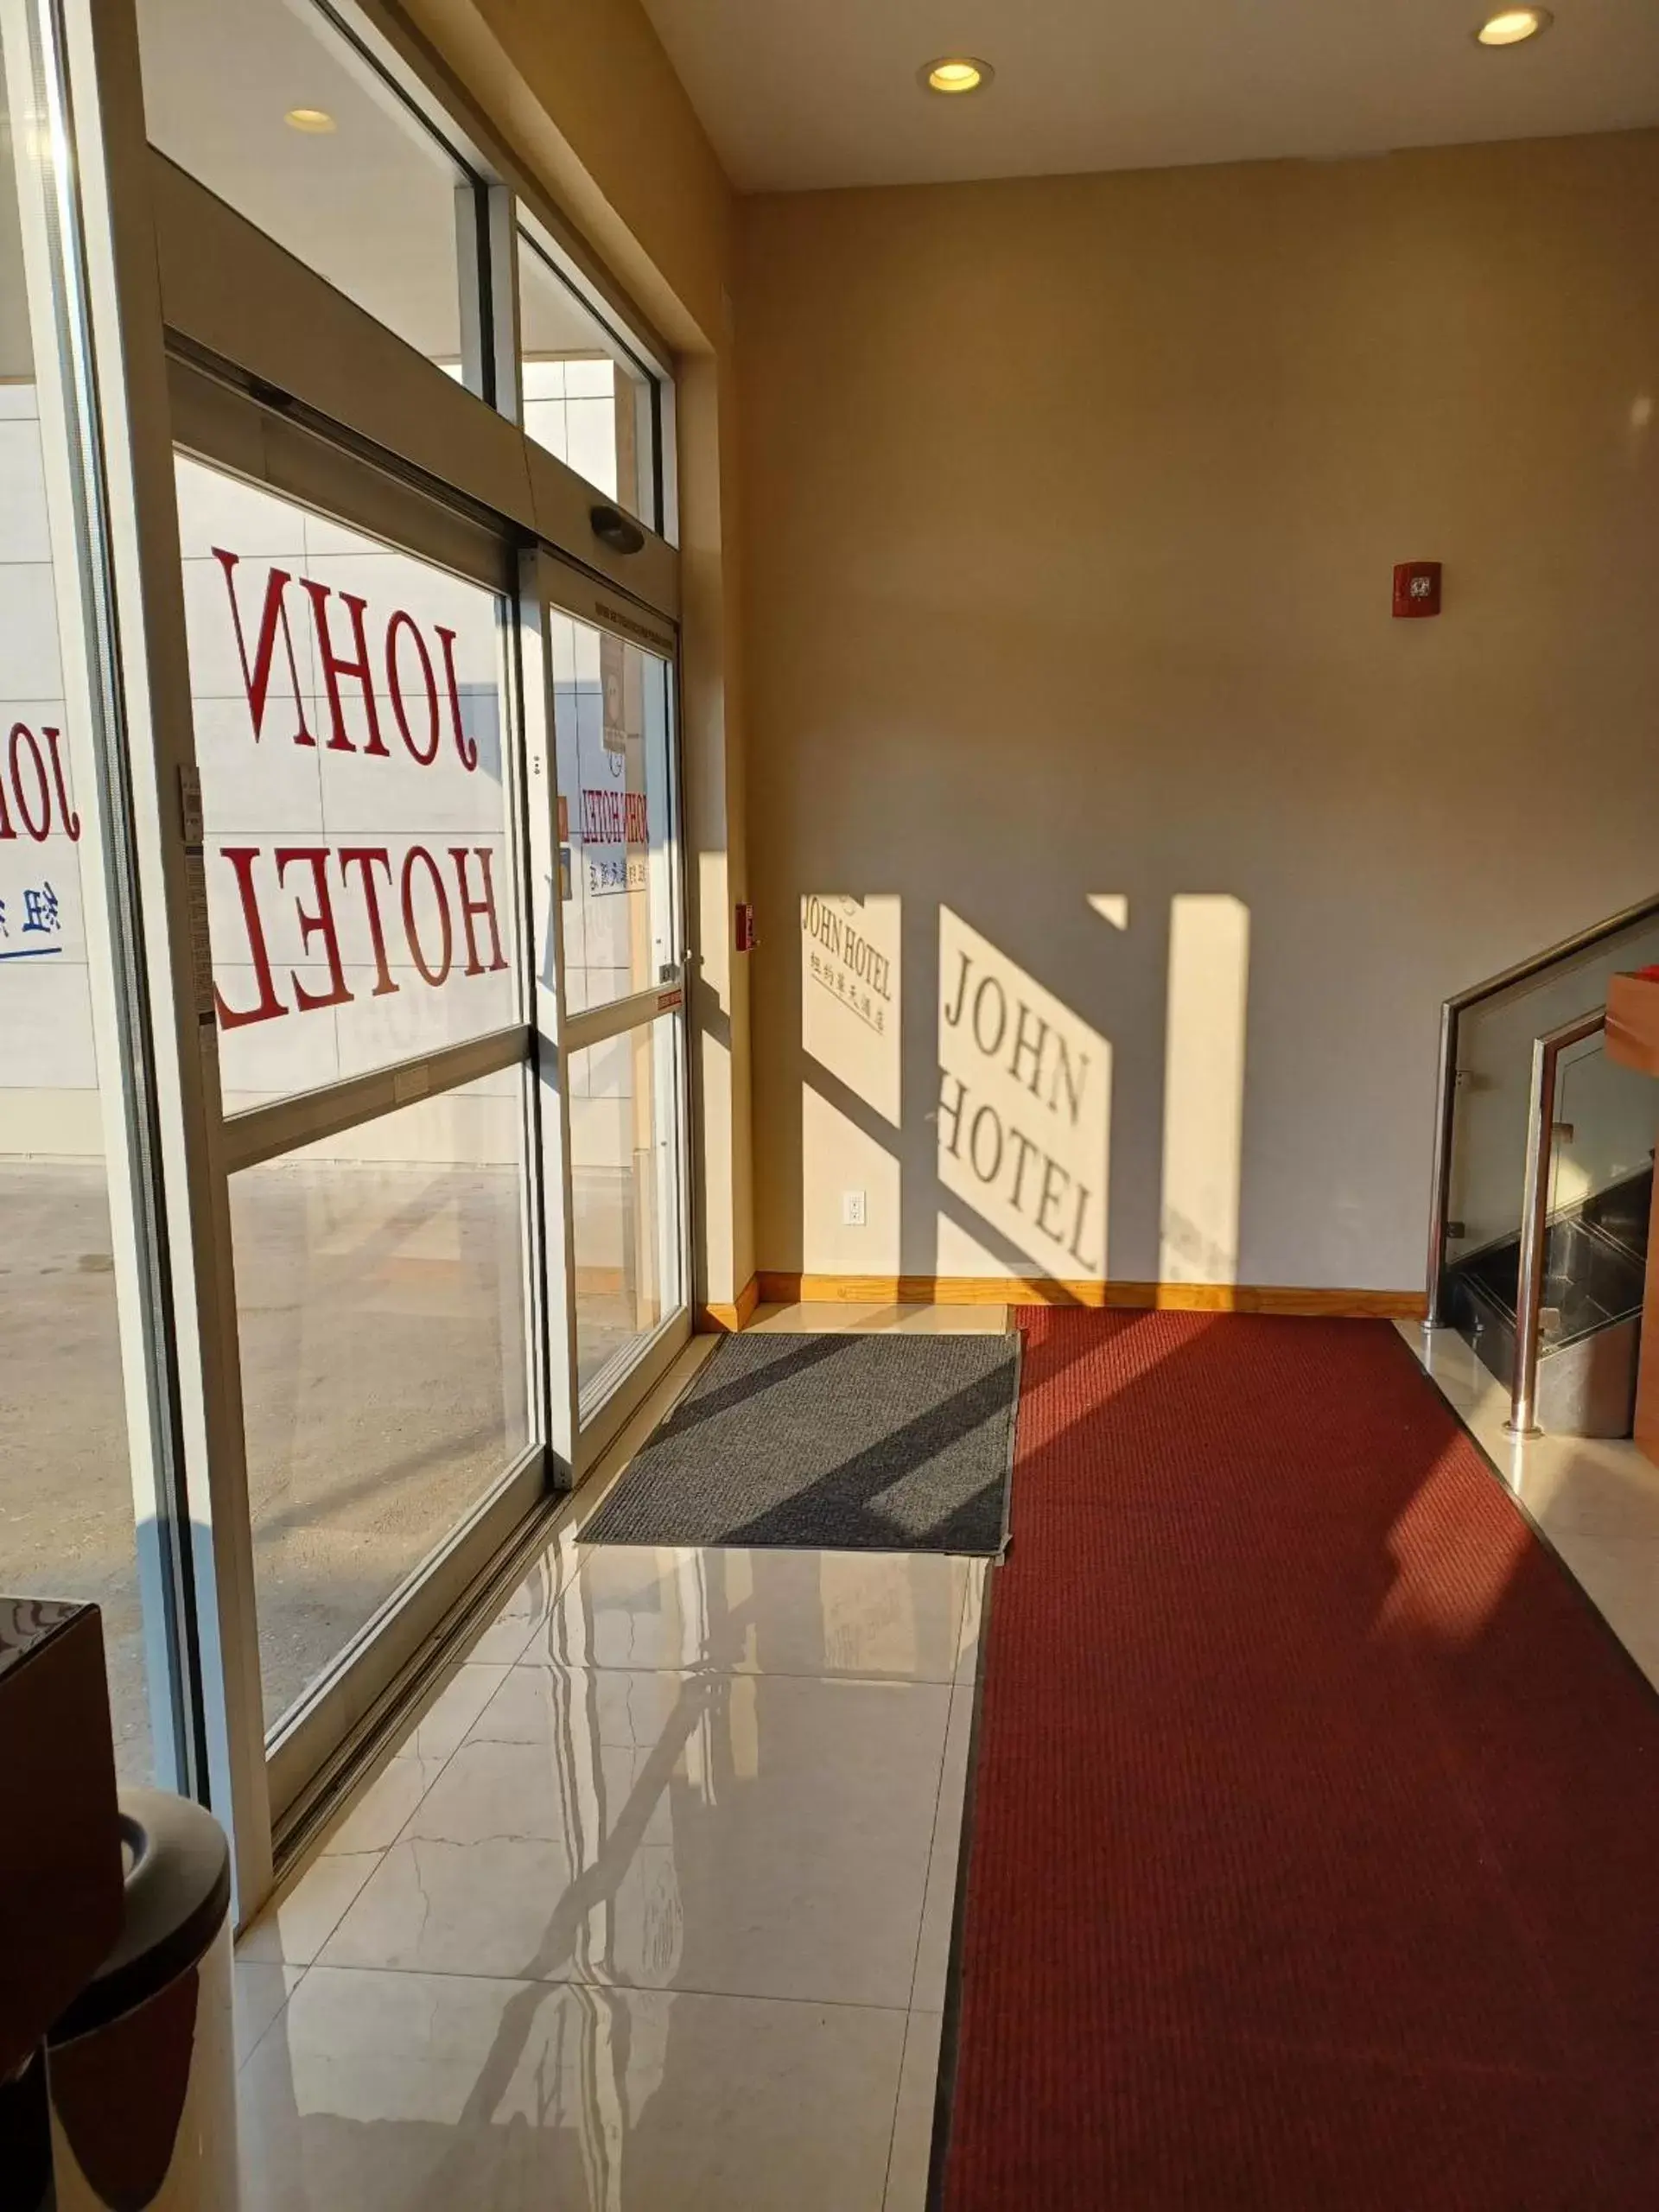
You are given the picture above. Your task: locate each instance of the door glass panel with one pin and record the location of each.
(283, 118)
(611, 715)
(586, 399)
(349, 734)
(381, 1303)
(66, 1489)
(627, 1191)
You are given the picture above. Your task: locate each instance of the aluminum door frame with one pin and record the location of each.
(216, 421)
(550, 586)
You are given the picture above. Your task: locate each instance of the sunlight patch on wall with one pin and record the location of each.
(716, 969)
(1203, 1087)
(1024, 1109)
(1640, 424)
(1112, 906)
(849, 993)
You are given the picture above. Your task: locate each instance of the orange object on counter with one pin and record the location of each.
(1633, 1021)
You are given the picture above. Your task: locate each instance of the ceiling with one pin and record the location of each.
(796, 94)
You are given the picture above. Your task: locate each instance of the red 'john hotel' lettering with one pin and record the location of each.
(613, 819)
(24, 782)
(403, 638)
(431, 946)
(413, 895)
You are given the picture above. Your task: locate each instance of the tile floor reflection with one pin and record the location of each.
(1596, 1499)
(398, 2090)
(652, 1908)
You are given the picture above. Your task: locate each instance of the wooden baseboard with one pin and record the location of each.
(726, 1321)
(777, 1289)
(1270, 1298)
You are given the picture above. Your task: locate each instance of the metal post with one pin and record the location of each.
(1535, 1220)
(1529, 1289)
(1440, 1185)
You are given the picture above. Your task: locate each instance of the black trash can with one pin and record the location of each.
(141, 2068)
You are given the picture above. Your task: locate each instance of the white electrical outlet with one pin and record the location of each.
(852, 1208)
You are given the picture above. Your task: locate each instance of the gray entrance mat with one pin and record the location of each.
(841, 1443)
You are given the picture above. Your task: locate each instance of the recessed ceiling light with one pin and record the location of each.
(315, 122)
(956, 73)
(1513, 25)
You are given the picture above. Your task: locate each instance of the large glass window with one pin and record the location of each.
(65, 1495)
(337, 805)
(587, 398)
(381, 1304)
(349, 731)
(611, 714)
(281, 115)
(349, 775)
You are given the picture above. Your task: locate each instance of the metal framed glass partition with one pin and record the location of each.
(356, 798)
(1484, 1090)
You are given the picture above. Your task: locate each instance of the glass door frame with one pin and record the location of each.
(183, 294)
(553, 586)
(244, 438)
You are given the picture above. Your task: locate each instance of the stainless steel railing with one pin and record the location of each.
(1535, 1220)
(1446, 1094)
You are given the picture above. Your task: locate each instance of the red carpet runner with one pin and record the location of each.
(1315, 1856)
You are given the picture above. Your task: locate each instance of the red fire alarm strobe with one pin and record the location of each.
(745, 927)
(1417, 589)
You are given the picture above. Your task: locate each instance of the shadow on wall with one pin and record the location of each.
(923, 1041)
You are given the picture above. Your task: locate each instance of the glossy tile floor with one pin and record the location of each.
(652, 1906)
(1596, 1500)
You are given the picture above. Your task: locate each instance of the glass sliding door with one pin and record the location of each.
(355, 711)
(383, 1310)
(614, 938)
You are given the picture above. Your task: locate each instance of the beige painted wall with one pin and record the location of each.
(1071, 507)
(582, 92)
